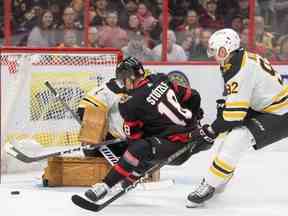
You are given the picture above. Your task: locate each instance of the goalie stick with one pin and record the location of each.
(17, 153)
(96, 207)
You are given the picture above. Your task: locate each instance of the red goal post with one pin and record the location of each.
(28, 111)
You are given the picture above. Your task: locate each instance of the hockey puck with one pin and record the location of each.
(15, 192)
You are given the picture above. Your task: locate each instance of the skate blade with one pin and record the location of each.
(190, 204)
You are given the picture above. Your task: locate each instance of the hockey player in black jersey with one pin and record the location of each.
(158, 116)
(252, 113)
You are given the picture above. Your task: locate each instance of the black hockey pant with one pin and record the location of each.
(267, 128)
(140, 156)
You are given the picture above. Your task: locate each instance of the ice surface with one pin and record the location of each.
(259, 188)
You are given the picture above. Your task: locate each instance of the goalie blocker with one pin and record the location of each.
(100, 117)
(94, 122)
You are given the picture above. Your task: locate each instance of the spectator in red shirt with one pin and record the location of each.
(210, 19)
(145, 17)
(112, 35)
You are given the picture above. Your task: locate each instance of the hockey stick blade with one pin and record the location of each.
(85, 204)
(16, 153)
(95, 207)
(19, 156)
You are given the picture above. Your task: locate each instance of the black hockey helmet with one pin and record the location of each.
(130, 68)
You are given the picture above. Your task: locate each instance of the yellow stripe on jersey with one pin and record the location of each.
(281, 95)
(276, 107)
(277, 103)
(234, 115)
(87, 101)
(96, 101)
(238, 104)
(244, 60)
(252, 56)
(234, 110)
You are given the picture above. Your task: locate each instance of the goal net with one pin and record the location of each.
(31, 116)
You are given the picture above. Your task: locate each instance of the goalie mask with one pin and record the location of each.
(224, 39)
(130, 68)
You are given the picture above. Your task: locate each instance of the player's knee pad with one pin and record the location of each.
(267, 129)
(137, 156)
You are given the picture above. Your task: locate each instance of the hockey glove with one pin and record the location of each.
(204, 138)
(200, 114)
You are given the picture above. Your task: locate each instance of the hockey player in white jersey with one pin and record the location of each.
(253, 111)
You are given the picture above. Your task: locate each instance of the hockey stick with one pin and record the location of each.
(17, 153)
(85, 204)
(104, 150)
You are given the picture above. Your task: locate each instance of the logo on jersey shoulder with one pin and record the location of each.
(124, 98)
(179, 77)
(157, 93)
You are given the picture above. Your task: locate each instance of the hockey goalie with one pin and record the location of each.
(100, 120)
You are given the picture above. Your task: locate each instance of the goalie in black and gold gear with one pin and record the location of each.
(100, 117)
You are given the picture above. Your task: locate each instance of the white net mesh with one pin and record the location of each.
(31, 111)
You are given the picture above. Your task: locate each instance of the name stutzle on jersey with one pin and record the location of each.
(157, 105)
(157, 93)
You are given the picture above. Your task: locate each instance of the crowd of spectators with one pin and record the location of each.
(135, 26)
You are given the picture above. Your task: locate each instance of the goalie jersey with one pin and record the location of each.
(251, 84)
(106, 97)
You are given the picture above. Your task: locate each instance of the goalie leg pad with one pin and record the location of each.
(94, 124)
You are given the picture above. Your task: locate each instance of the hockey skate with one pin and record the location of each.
(97, 192)
(203, 193)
